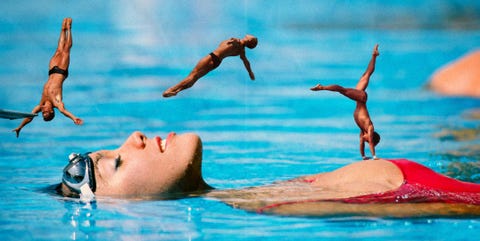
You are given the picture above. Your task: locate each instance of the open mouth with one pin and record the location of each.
(163, 143)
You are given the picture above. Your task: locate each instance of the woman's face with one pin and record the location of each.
(150, 166)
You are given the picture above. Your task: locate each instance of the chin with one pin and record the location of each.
(196, 145)
(188, 163)
(190, 146)
(193, 175)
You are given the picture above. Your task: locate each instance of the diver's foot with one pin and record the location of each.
(68, 23)
(317, 87)
(169, 93)
(64, 24)
(174, 90)
(17, 131)
(375, 50)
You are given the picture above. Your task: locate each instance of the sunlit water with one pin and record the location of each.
(254, 132)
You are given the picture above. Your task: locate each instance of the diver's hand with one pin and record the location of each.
(317, 87)
(77, 121)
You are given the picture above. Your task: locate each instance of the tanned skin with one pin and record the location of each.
(361, 116)
(52, 90)
(227, 48)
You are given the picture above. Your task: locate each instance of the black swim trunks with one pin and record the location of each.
(216, 60)
(57, 70)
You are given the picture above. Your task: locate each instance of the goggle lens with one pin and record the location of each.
(78, 174)
(75, 171)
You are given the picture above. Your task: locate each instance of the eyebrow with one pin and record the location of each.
(97, 158)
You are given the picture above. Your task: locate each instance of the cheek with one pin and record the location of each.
(157, 176)
(147, 172)
(141, 176)
(135, 180)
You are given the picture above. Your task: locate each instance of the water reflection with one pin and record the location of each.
(79, 217)
(462, 161)
(130, 220)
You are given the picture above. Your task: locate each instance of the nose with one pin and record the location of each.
(137, 139)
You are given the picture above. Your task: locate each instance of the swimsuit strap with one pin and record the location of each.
(57, 70)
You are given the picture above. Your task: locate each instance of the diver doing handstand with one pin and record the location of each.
(361, 116)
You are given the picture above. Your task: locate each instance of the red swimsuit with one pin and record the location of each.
(420, 185)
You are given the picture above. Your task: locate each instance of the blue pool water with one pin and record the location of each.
(126, 53)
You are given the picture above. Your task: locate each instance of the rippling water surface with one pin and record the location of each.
(126, 53)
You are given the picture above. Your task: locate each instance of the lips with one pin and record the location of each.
(162, 144)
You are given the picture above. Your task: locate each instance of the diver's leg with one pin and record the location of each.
(202, 68)
(363, 82)
(65, 51)
(354, 94)
(57, 56)
(68, 34)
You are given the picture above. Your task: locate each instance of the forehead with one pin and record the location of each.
(95, 155)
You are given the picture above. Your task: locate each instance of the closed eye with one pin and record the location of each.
(118, 162)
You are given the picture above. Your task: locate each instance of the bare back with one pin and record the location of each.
(230, 47)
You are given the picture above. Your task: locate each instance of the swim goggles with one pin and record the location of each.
(78, 175)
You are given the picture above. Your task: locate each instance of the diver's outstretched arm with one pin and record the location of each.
(247, 66)
(76, 120)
